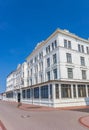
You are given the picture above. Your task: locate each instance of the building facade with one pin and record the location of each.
(56, 72)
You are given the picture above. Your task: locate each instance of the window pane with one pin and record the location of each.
(83, 74)
(82, 61)
(81, 90)
(44, 91)
(79, 48)
(57, 90)
(36, 92)
(69, 44)
(69, 58)
(54, 59)
(65, 91)
(55, 73)
(70, 73)
(48, 75)
(28, 93)
(65, 43)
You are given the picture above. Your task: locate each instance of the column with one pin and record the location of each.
(72, 93)
(53, 93)
(76, 90)
(39, 95)
(86, 91)
(59, 91)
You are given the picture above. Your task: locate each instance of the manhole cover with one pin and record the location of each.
(25, 116)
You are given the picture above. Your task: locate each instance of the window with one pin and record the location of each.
(69, 44)
(28, 93)
(48, 75)
(36, 80)
(31, 61)
(41, 78)
(83, 74)
(28, 73)
(87, 50)
(50, 91)
(57, 90)
(48, 62)
(88, 89)
(82, 48)
(31, 72)
(54, 59)
(55, 73)
(48, 49)
(79, 49)
(40, 55)
(30, 81)
(44, 91)
(54, 45)
(81, 91)
(66, 91)
(82, 61)
(70, 73)
(23, 94)
(65, 43)
(36, 92)
(69, 58)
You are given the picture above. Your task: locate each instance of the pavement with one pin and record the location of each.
(83, 120)
(76, 117)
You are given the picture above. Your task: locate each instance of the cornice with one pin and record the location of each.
(56, 32)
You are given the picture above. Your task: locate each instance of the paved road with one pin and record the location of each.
(16, 119)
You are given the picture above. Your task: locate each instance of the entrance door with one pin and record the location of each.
(19, 97)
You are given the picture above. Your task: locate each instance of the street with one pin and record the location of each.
(16, 119)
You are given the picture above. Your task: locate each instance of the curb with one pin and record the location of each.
(82, 122)
(2, 126)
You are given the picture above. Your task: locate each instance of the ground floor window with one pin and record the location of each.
(65, 91)
(44, 91)
(23, 94)
(57, 90)
(88, 89)
(36, 92)
(28, 93)
(50, 91)
(74, 90)
(9, 95)
(81, 91)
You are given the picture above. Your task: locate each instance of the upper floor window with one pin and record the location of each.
(82, 60)
(55, 73)
(48, 62)
(36, 58)
(31, 61)
(48, 75)
(54, 45)
(83, 74)
(40, 55)
(54, 59)
(70, 73)
(69, 58)
(48, 49)
(80, 48)
(67, 44)
(87, 50)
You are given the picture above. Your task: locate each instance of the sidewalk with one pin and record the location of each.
(2, 126)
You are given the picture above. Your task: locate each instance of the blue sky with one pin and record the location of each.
(24, 23)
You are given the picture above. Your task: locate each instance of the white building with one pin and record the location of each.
(57, 72)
